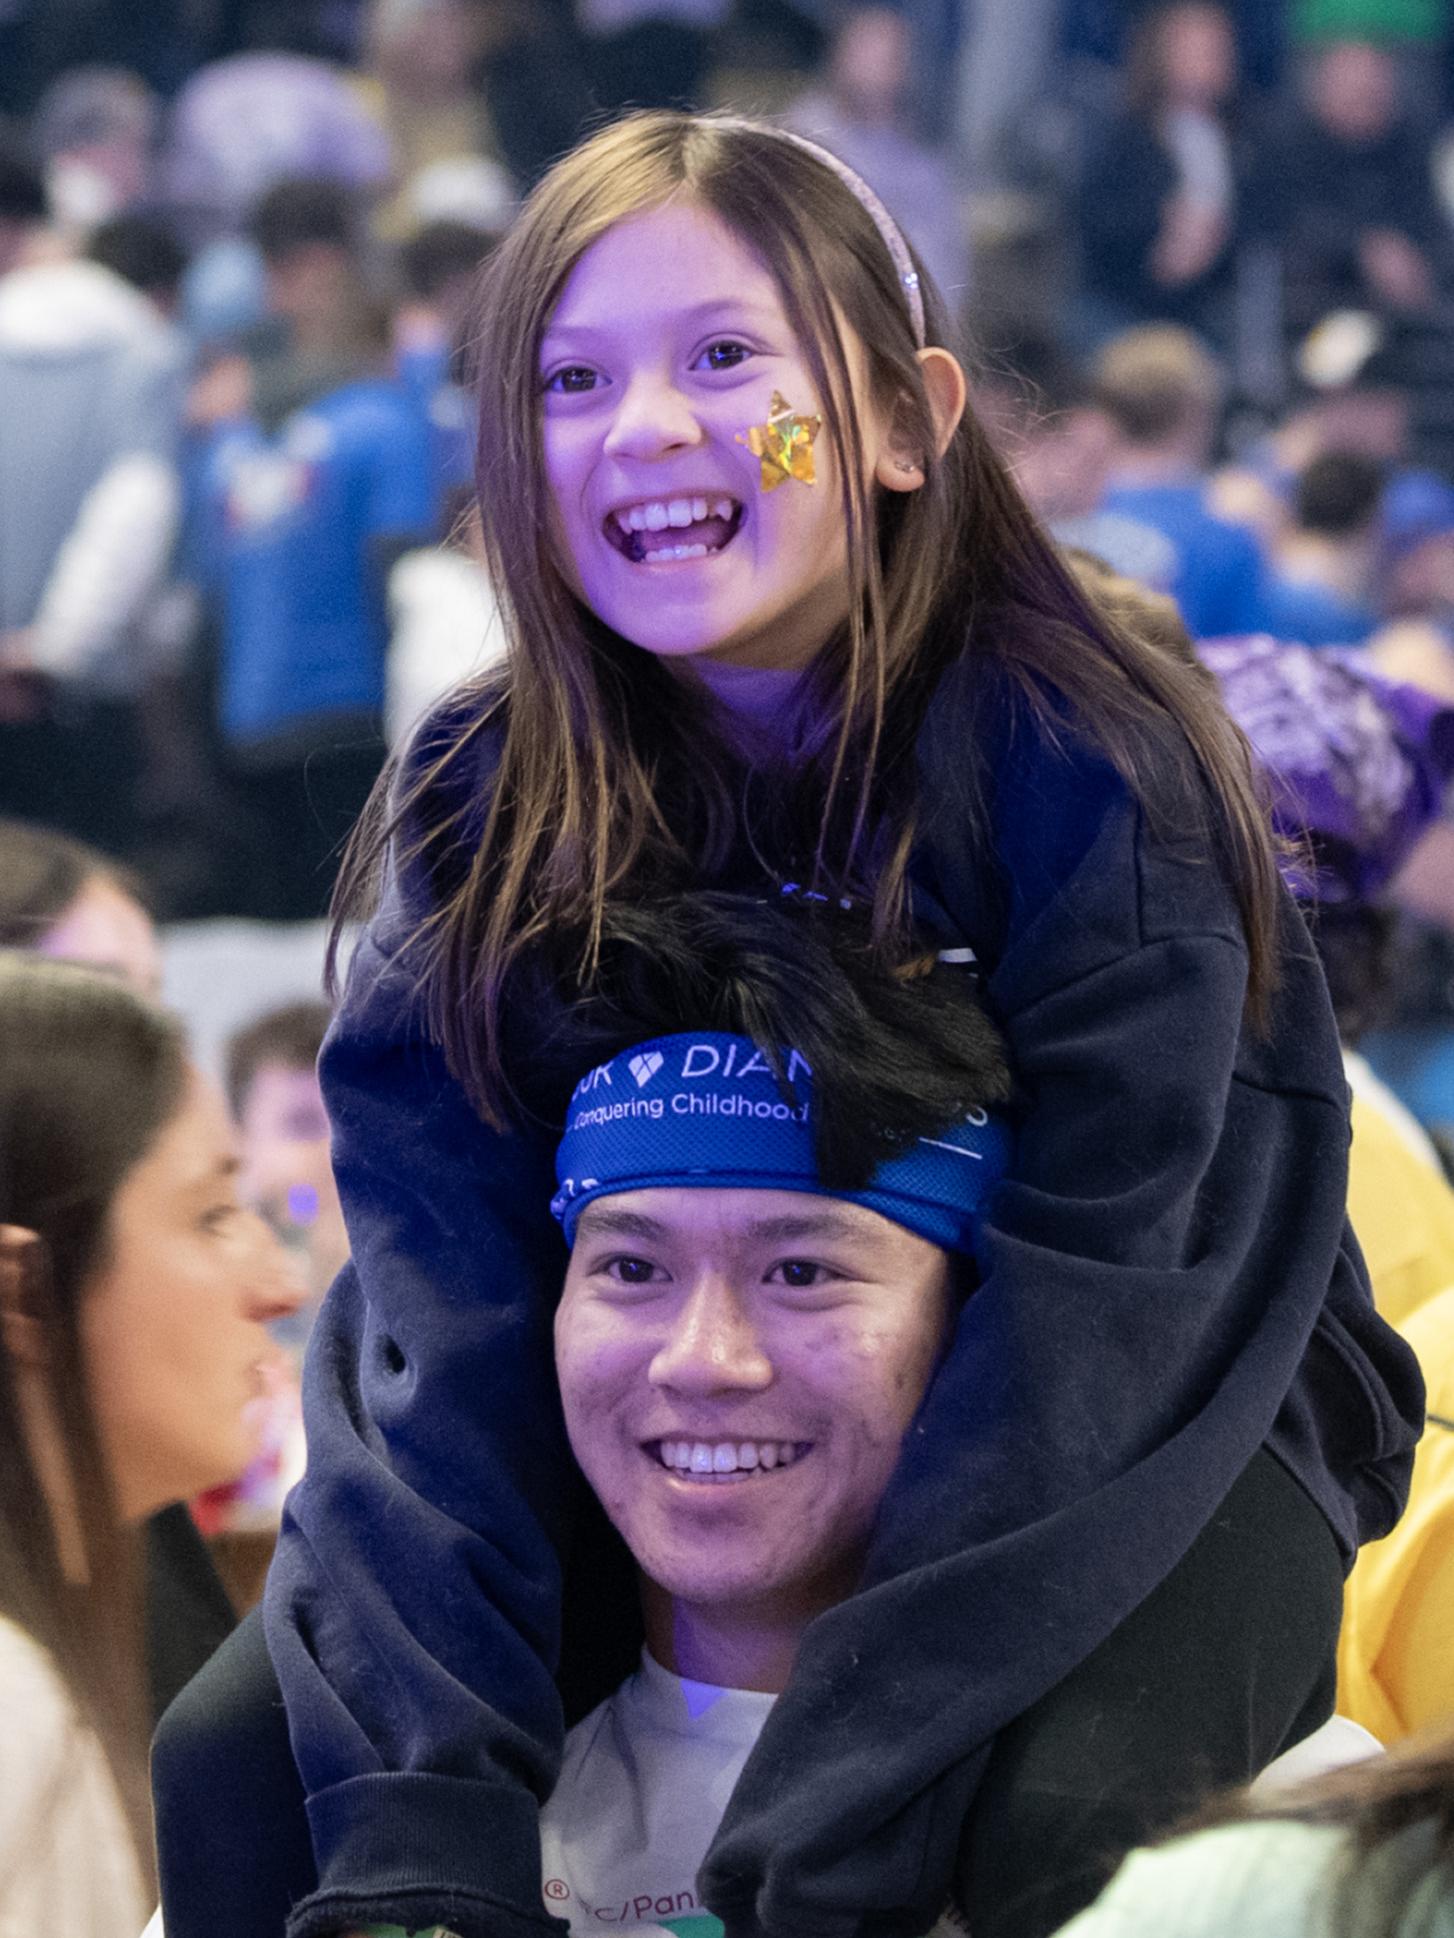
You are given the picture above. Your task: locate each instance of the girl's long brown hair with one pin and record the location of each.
(89, 1074)
(611, 778)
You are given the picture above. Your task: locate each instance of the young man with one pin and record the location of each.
(761, 1282)
(740, 1354)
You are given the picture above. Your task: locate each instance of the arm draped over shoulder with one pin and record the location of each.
(1168, 1284)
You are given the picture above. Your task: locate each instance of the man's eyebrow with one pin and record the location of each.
(603, 1221)
(838, 1222)
(695, 313)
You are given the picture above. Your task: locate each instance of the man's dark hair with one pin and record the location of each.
(1338, 493)
(22, 186)
(143, 251)
(894, 1058)
(41, 874)
(439, 252)
(301, 212)
(291, 1035)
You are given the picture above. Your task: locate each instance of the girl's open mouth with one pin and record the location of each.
(663, 530)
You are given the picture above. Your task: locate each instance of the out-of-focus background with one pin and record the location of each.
(1202, 254)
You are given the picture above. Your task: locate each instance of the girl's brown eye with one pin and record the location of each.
(726, 354)
(571, 381)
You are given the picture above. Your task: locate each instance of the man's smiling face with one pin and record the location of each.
(738, 1370)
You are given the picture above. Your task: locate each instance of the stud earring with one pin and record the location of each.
(901, 465)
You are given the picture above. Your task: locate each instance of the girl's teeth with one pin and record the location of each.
(677, 512)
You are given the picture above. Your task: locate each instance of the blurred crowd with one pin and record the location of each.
(1204, 256)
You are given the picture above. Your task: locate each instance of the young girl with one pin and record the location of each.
(777, 617)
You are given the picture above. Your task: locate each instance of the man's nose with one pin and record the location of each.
(713, 1345)
(652, 418)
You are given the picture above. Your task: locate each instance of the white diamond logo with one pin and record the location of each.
(645, 1067)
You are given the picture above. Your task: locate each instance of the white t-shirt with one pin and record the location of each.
(67, 1864)
(643, 1786)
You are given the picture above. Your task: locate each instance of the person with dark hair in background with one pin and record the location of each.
(314, 478)
(440, 265)
(134, 1290)
(271, 1079)
(91, 383)
(1318, 586)
(1159, 188)
(1346, 191)
(143, 251)
(60, 898)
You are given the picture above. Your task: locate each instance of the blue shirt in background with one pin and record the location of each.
(1219, 568)
(295, 521)
(424, 371)
(1312, 615)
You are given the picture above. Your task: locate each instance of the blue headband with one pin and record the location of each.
(706, 1110)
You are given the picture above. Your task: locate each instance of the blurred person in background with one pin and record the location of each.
(134, 1292)
(648, 53)
(263, 116)
(1060, 443)
(444, 626)
(315, 475)
(1161, 182)
(440, 266)
(286, 1176)
(91, 379)
(319, 295)
(863, 112)
(95, 133)
(277, 1104)
(420, 82)
(1319, 585)
(1365, 410)
(59, 898)
(1162, 392)
(1346, 190)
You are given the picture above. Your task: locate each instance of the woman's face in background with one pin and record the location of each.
(173, 1319)
(105, 928)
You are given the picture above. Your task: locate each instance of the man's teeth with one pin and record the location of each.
(727, 1456)
(656, 516)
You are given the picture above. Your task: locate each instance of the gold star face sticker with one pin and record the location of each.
(784, 444)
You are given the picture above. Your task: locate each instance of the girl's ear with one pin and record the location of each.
(20, 1321)
(899, 466)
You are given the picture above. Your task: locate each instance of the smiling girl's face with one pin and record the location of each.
(667, 344)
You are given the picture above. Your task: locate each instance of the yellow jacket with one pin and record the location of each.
(1396, 1652)
(1402, 1210)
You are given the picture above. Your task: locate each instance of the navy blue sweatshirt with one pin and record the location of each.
(1169, 1284)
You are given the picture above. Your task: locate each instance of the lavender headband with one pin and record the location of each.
(890, 233)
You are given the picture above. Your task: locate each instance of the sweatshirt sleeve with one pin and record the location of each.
(1154, 1270)
(413, 1609)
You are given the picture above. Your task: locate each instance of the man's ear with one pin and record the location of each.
(21, 1324)
(900, 467)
